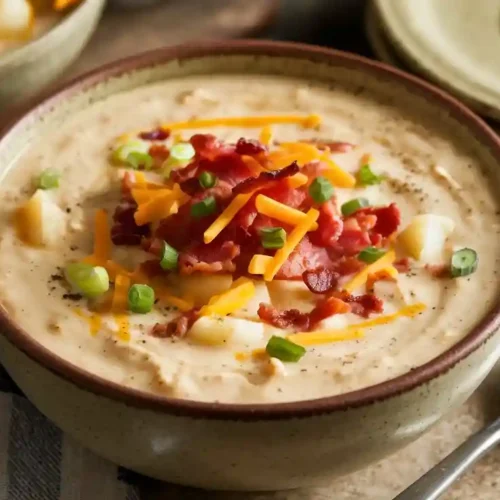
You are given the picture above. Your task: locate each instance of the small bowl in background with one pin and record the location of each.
(31, 67)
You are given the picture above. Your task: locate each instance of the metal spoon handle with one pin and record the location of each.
(435, 482)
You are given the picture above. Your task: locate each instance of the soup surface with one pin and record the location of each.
(301, 242)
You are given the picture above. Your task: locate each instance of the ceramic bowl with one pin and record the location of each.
(31, 67)
(250, 447)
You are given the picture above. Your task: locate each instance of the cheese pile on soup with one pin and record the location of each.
(247, 239)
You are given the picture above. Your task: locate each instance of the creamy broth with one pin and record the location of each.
(426, 173)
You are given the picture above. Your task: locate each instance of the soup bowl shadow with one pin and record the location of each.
(264, 446)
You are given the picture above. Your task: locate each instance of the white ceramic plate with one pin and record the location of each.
(455, 43)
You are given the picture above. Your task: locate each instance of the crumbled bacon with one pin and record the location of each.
(439, 270)
(266, 179)
(388, 218)
(182, 175)
(300, 321)
(159, 152)
(362, 305)
(330, 226)
(352, 241)
(124, 230)
(212, 258)
(321, 280)
(249, 147)
(158, 134)
(151, 268)
(178, 327)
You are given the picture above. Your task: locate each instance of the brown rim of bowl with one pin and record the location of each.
(269, 411)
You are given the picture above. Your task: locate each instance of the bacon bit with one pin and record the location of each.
(321, 280)
(333, 146)
(330, 226)
(352, 241)
(284, 319)
(158, 134)
(212, 258)
(439, 270)
(299, 321)
(160, 153)
(181, 175)
(125, 231)
(265, 179)
(178, 327)
(151, 268)
(402, 265)
(382, 275)
(388, 218)
(249, 147)
(362, 305)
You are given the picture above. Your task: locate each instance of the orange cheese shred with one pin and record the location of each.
(389, 273)
(360, 279)
(279, 211)
(259, 263)
(308, 121)
(292, 241)
(237, 203)
(102, 237)
(266, 135)
(297, 180)
(119, 302)
(336, 175)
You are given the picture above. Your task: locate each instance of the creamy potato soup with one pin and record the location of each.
(247, 239)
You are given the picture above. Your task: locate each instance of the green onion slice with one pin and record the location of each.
(284, 350)
(207, 180)
(351, 206)
(205, 207)
(366, 177)
(371, 254)
(121, 153)
(179, 156)
(169, 257)
(88, 280)
(137, 160)
(464, 262)
(273, 237)
(321, 189)
(141, 299)
(48, 179)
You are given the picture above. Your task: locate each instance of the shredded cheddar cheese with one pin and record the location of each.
(231, 300)
(389, 273)
(259, 263)
(253, 165)
(266, 135)
(308, 121)
(292, 241)
(297, 180)
(237, 203)
(279, 211)
(144, 195)
(354, 331)
(120, 293)
(360, 279)
(336, 175)
(325, 336)
(94, 320)
(140, 180)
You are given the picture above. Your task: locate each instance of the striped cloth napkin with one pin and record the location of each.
(39, 462)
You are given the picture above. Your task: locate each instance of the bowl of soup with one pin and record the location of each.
(38, 40)
(248, 265)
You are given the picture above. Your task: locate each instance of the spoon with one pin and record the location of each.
(435, 482)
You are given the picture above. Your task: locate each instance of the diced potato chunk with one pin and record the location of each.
(214, 330)
(16, 19)
(291, 295)
(201, 287)
(424, 238)
(40, 221)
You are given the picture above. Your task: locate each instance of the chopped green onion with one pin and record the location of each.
(351, 206)
(366, 177)
(137, 160)
(283, 349)
(49, 179)
(273, 237)
(203, 208)
(180, 154)
(321, 189)
(121, 153)
(141, 299)
(207, 180)
(371, 254)
(464, 262)
(169, 257)
(88, 280)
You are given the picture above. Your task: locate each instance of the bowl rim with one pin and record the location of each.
(16, 54)
(266, 411)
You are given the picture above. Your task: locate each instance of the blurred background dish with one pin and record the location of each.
(455, 44)
(28, 66)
